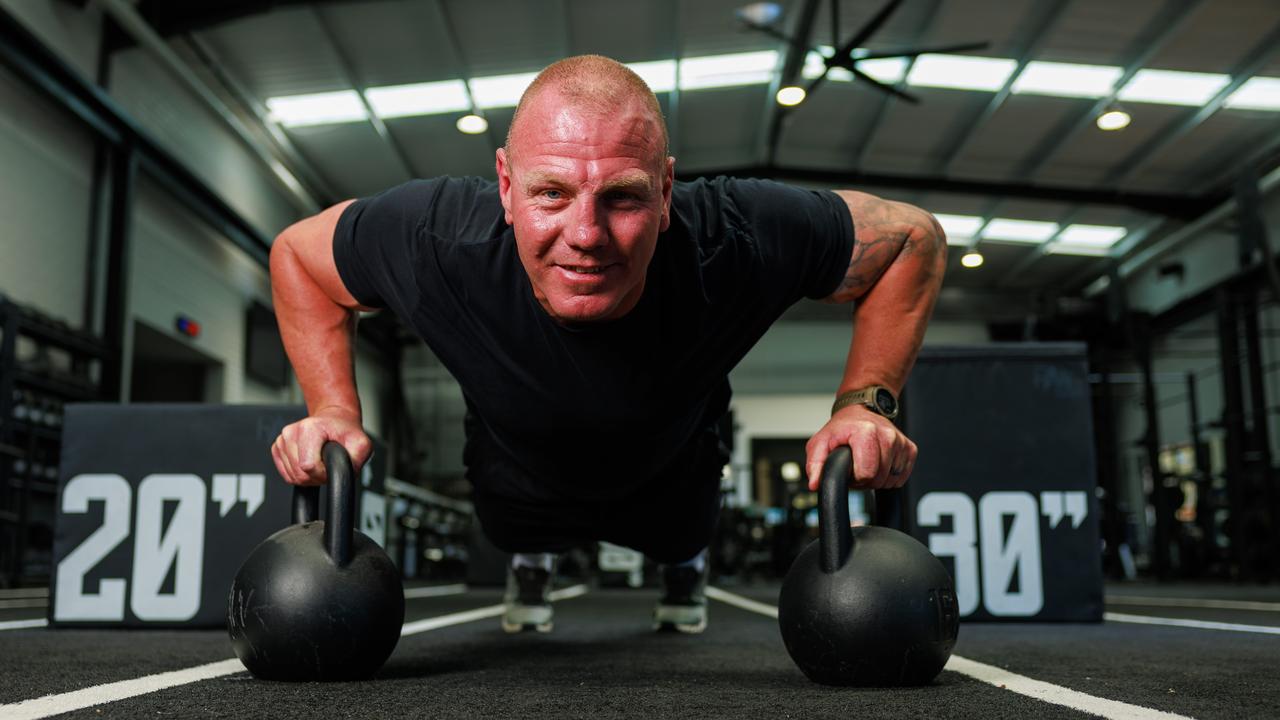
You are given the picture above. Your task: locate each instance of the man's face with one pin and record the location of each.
(587, 195)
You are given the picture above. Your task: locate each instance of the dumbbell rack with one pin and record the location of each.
(44, 364)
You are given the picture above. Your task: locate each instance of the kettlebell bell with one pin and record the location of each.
(318, 600)
(867, 606)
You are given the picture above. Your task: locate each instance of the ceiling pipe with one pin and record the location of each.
(142, 33)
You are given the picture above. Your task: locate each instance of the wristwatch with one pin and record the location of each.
(877, 398)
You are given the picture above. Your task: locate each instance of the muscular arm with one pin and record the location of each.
(894, 275)
(317, 318)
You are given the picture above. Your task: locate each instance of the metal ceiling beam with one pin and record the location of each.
(859, 153)
(1030, 35)
(1163, 28)
(170, 18)
(349, 78)
(1175, 205)
(800, 30)
(1040, 250)
(35, 63)
(124, 14)
(460, 67)
(1251, 65)
(241, 97)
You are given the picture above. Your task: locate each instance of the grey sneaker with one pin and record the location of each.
(528, 600)
(683, 606)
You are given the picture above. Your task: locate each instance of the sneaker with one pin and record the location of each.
(528, 600)
(683, 606)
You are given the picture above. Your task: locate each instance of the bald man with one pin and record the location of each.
(591, 309)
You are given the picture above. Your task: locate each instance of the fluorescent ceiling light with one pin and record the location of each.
(959, 228)
(1103, 236)
(753, 68)
(1069, 249)
(500, 90)
(1028, 231)
(659, 75)
(317, 108)
(1259, 93)
(1067, 79)
(1173, 88)
(448, 96)
(961, 72)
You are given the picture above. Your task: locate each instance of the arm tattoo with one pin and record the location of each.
(884, 231)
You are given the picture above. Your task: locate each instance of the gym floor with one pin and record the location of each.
(1165, 651)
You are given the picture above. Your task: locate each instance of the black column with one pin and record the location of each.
(124, 173)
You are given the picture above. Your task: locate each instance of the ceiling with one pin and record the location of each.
(990, 154)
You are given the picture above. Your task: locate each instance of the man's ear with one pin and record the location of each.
(503, 167)
(668, 183)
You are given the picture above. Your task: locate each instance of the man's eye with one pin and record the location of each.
(552, 194)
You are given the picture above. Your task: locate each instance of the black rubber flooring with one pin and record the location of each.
(603, 660)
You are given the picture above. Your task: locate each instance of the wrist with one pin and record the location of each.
(338, 412)
(876, 398)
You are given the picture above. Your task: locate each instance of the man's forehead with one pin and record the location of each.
(552, 118)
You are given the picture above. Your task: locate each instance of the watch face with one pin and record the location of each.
(885, 401)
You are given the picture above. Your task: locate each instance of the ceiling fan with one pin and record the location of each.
(762, 17)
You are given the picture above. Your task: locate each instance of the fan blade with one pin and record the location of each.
(813, 85)
(962, 47)
(869, 29)
(835, 23)
(892, 90)
(767, 30)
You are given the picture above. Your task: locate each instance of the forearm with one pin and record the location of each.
(318, 335)
(892, 315)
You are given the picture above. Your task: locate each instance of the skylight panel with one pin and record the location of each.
(498, 91)
(317, 108)
(1103, 236)
(659, 75)
(961, 72)
(1027, 231)
(959, 228)
(1259, 93)
(1067, 79)
(752, 68)
(1173, 88)
(431, 98)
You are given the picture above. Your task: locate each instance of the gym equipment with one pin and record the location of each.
(317, 600)
(866, 606)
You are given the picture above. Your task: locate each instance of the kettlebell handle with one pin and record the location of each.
(834, 535)
(339, 526)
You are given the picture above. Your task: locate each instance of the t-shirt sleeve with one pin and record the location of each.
(804, 237)
(376, 242)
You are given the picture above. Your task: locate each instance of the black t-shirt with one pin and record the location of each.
(593, 410)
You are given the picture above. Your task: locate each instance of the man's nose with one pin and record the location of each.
(587, 229)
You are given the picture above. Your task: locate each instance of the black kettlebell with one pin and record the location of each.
(866, 606)
(317, 600)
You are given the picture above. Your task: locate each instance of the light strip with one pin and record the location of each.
(962, 72)
(1173, 88)
(960, 229)
(1027, 231)
(1067, 79)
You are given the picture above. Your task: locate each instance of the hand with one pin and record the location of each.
(882, 456)
(297, 450)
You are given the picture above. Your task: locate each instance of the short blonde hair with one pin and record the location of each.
(595, 82)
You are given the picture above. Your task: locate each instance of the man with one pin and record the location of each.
(591, 309)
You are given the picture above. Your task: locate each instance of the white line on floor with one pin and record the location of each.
(738, 601)
(17, 604)
(1193, 603)
(33, 592)
(1055, 694)
(111, 692)
(22, 624)
(1180, 622)
(434, 591)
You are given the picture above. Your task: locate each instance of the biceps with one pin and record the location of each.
(308, 246)
(880, 232)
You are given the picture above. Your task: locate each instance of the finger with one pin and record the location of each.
(867, 459)
(360, 448)
(886, 441)
(310, 460)
(281, 466)
(818, 453)
(290, 471)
